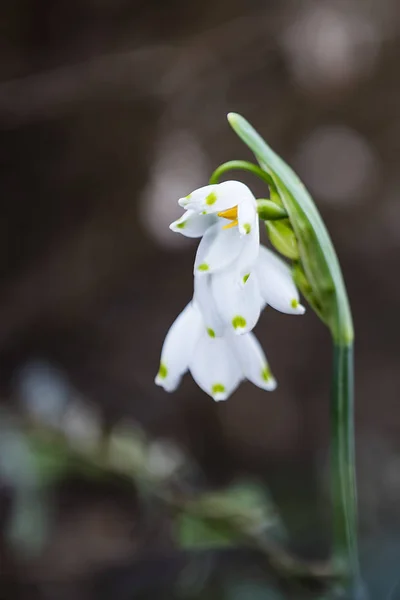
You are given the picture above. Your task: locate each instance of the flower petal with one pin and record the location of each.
(249, 254)
(252, 360)
(192, 225)
(238, 305)
(247, 215)
(218, 197)
(218, 249)
(276, 283)
(178, 347)
(204, 299)
(196, 199)
(215, 368)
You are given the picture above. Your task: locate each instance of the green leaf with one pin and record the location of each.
(318, 258)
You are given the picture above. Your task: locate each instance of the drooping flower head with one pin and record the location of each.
(234, 280)
(225, 215)
(230, 266)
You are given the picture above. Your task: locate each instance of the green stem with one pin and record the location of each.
(344, 497)
(241, 165)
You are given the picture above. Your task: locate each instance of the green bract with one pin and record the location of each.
(318, 272)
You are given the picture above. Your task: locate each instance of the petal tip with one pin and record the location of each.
(240, 331)
(271, 385)
(269, 382)
(168, 386)
(301, 309)
(240, 325)
(177, 226)
(245, 229)
(296, 308)
(160, 381)
(219, 397)
(218, 392)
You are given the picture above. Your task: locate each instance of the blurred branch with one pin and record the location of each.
(130, 457)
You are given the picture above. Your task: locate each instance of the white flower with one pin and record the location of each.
(228, 302)
(217, 364)
(223, 244)
(226, 254)
(235, 277)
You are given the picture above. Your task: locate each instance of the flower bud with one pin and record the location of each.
(282, 237)
(268, 210)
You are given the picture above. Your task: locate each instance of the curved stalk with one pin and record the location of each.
(240, 165)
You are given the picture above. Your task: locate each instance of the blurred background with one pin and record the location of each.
(110, 110)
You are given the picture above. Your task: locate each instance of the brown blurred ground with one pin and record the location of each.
(109, 111)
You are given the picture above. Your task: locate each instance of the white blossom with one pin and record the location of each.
(233, 272)
(217, 364)
(235, 278)
(223, 243)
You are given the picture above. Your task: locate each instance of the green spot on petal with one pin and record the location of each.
(266, 374)
(188, 196)
(211, 199)
(247, 227)
(294, 303)
(211, 332)
(203, 267)
(162, 371)
(217, 388)
(239, 321)
(181, 225)
(245, 277)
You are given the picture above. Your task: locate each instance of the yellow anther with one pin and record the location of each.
(233, 224)
(230, 213)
